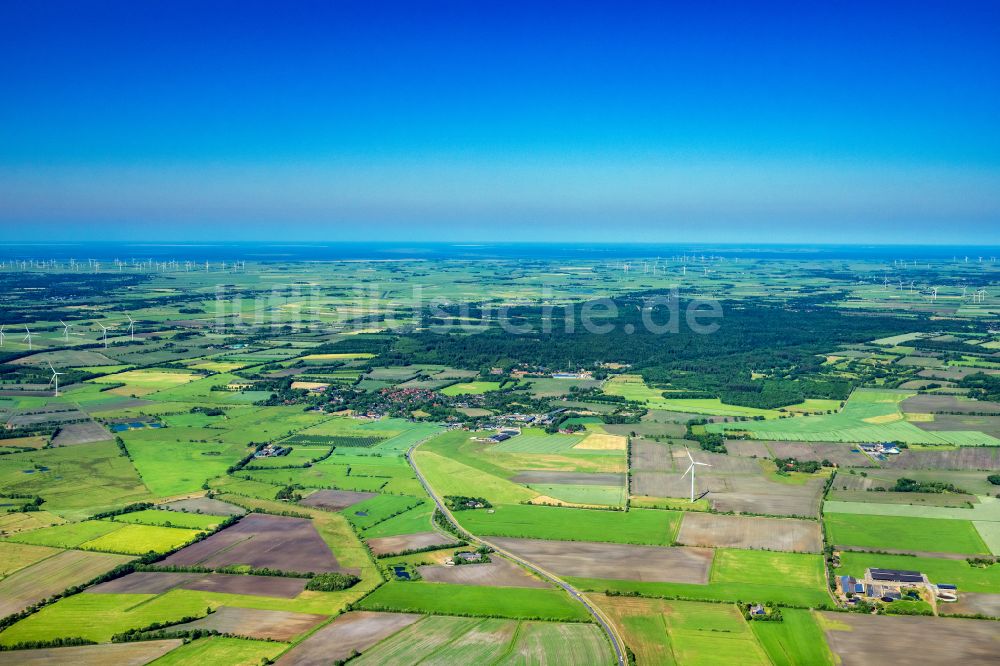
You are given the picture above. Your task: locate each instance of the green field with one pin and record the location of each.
(448, 640)
(140, 539)
(170, 519)
(14, 556)
(796, 640)
(221, 650)
(470, 388)
(582, 494)
(913, 534)
(444, 599)
(639, 526)
(98, 616)
(69, 535)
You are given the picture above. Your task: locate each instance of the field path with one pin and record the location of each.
(605, 623)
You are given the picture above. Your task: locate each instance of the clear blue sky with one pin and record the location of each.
(482, 120)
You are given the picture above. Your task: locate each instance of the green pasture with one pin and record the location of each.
(445, 599)
(639, 526)
(914, 534)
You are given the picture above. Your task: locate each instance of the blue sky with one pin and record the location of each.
(453, 121)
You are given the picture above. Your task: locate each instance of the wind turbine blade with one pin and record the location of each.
(688, 452)
(688, 471)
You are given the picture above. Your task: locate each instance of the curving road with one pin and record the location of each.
(616, 641)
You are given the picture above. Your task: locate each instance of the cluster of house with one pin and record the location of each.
(890, 585)
(273, 451)
(880, 450)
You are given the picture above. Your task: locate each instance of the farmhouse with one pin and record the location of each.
(881, 449)
(891, 584)
(273, 451)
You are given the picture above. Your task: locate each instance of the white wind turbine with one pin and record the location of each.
(690, 470)
(55, 378)
(104, 330)
(28, 336)
(2, 336)
(65, 330)
(131, 327)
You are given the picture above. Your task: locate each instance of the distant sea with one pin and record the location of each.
(333, 251)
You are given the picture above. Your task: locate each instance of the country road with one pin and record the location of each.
(616, 641)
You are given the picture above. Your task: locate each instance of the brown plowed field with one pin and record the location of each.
(750, 532)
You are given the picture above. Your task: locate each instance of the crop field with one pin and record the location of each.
(140, 539)
(614, 561)
(498, 573)
(158, 582)
(335, 500)
(441, 598)
(942, 640)
(797, 639)
(170, 519)
(492, 641)
(262, 540)
(580, 493)
(51, 576)
(718, 531)
(256, 623)
(927, 535)
(388, 545)
(120, 654)
(639, 526)
(470, 388)
(350, 632)
(222, 650)
(684, 632)
(68, 535)
(142, 382)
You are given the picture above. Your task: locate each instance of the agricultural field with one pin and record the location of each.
(328, 443)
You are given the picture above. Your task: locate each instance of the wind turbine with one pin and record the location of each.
(934, 294)
(104, 329)
(28, 336)
(65, 330)
(55, 378)
(2, 336)
(690, 470)
(131, 327)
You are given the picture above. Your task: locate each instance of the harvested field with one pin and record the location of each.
(205, 505)
(354, 631)
(576, 478)
(498, 573)
(119, 654)
(37, 417)
(586, 559)
(81, 433)
(934, 403)
(54, 574)
(335, 500)
(750, 532)
(989, 425)
(739, 493)
(404, 542)
(143, 582)
(966, 458)
(863, 640)
(603, 442)
(747, 448)
(650, 456)
(972, 603)
(754, 495)
(158, 582)
(262, 540)
(259, 624)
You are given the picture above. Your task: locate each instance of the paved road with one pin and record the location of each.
(616, 641)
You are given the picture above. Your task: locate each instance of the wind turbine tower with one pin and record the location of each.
(28, 336)
(55, 378)
(105, 332)
(131, 327)
(690, 470)
(65, 330)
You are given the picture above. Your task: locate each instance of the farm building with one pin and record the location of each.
(891, 584)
